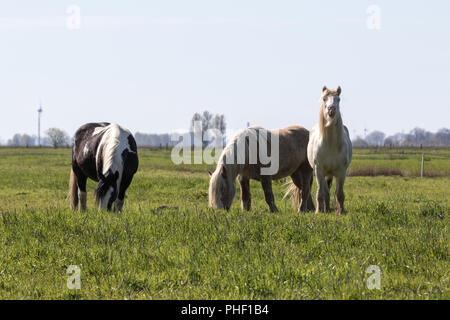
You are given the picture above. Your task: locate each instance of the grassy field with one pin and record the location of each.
(404, 162)
(167, 244)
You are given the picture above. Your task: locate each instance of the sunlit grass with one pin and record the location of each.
(167, 244)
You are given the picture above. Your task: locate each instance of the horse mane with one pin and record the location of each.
(106, 154)
(321, 120)
(325, 130)
(108, 145)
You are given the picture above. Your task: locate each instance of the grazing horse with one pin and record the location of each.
(330, 151)
(106, 153)
(292, 161)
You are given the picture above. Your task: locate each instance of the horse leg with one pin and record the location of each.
(307, 175)
(321, 191)
(82, 195)
(339, 195)
(130, 165)
(302, 180)
(123, 186)
(246, 196)
(310, 200)
(266, 182)
(328, 180)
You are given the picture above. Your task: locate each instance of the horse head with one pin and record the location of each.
(330, 100)
(222, 188)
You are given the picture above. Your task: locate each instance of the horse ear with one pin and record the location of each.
(223, 172)
(339, 90)
(210, 173)
(324, 88)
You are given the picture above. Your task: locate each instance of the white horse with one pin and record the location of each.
(330, 151)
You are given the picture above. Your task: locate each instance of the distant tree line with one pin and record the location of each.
(154, 140)
(417, 137)
(22, 140)
(54, 137)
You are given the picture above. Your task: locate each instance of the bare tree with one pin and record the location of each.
(442, 137)
(220, 124)
(26, 140)
(15, 140)
(206, 121)
(58, 137)
(375, 138)
(196, 117)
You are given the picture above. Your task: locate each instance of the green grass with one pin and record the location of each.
(167, 244)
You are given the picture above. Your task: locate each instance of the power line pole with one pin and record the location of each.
(422, 169)
(39, 123)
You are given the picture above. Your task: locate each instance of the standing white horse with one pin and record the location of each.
(330, 151)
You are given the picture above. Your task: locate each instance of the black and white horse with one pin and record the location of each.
(106, 153)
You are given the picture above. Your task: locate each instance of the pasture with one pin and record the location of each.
(167, 244)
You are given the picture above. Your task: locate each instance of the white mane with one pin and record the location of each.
(111, 146)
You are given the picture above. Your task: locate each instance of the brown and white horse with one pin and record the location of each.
(330, 151)
(106, 153)
(292, 161)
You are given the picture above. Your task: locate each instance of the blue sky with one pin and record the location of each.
(150, 65)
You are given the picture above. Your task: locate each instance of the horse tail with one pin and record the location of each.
(295, 193)
(73, 190)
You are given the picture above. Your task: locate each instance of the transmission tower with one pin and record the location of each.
(39, 123)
